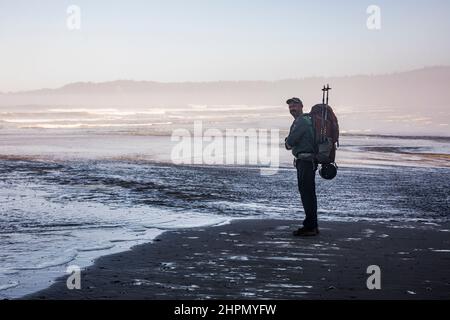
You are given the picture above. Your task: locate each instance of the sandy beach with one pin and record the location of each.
(260, 259)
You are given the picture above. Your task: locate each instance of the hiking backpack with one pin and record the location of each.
(326, 130)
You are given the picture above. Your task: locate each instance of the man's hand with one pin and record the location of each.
(287, 146)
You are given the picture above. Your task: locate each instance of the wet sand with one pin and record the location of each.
(260, 259)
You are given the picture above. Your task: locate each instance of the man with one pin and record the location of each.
(301, 142)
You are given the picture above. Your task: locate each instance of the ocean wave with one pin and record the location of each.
(53, 263)
(9, 285)
(97, 248)
(91, 125)
(108, 111)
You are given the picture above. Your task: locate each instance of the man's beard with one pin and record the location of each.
(295, 113)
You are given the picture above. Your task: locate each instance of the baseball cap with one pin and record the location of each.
(294, 100)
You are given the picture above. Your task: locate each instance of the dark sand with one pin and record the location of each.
(254, 259)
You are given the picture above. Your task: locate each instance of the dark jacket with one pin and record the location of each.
(301, 137)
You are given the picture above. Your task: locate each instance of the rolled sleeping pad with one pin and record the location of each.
(328, 171)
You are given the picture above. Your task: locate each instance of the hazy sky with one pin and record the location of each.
(196, 40)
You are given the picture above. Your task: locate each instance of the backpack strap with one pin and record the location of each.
(313, 131)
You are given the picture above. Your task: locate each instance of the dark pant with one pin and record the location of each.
(306, 176)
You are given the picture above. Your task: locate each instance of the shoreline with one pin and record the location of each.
(258, 259)
(88, 261)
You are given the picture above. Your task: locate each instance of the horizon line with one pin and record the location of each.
(218, 81)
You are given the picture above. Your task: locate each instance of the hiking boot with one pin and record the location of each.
(303, 232)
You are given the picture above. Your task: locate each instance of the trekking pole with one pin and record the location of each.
(323, 94)
(327, 89)
(326, 108)
(324, 89)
